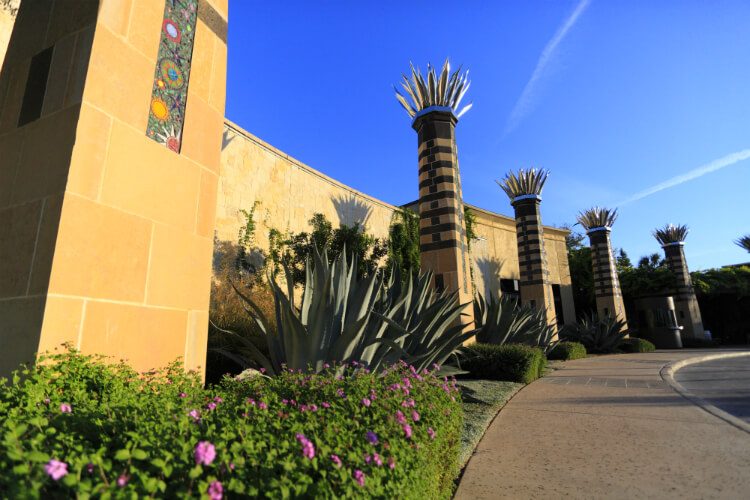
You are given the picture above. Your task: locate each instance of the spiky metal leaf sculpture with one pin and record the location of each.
(597, 217)
(744, 242)
(671, 234)
(446, 89)
(524, 182)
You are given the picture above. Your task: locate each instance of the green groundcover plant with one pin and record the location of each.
(74, 425)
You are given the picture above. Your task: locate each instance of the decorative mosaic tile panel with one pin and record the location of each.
(167, 108)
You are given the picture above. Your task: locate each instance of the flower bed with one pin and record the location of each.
(74, 425)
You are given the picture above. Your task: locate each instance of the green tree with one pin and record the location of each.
(403, 245)
(581, 273)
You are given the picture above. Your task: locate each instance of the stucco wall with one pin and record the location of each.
(290, 192)
(8, 11)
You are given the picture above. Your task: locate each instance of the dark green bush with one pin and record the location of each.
(567, 350)
(634, 344)
(512, 362)
(108, 430)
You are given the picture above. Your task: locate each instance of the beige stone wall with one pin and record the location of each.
(288, 191)
(8, 10)
(106, 236)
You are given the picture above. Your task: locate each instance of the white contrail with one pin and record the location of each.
(713, 166)
(525, 102)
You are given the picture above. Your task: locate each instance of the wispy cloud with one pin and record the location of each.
(713, 166)
(525, 103)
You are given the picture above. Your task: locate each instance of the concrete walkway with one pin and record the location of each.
(608, 427)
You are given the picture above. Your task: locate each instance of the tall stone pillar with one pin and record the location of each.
(606, 283)
(534, 284)
(111, 118)
(442, 230)
(685, 303)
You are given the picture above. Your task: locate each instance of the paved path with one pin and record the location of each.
(608, 427)
(725, 383)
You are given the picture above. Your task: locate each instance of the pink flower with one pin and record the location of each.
(359, 476)
(325, 404)
(183, 395)
(46, 401)
(218, 399)
(215, 490)
(262, 405)
(195, 414)
(326, 366)
(336, 460)
(90, 468)
(204, 453)
(262, 370)
(250, 401)
(409, 403)
(366, 402)
(56, 469)
(308, 450)
(340, 393)
(66, 408)
(378, 461)
(211, 406)
(313, 407)
(407, 430)
(122, 480)
(391, 463)
(431, 433)
(400, 417)
(415, 415)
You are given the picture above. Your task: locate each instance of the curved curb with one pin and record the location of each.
(667, 374)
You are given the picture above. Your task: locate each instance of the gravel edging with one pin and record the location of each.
(667, 374)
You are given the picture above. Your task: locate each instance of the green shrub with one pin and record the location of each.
(503, 321)
(634, 344)
(512, 362)
(115, 432)
(568, 350)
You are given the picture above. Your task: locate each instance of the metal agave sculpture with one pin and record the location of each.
(671, 234)
(525, 182)
(744, 242)
(446, 89)
(597, 217)
(502, 321)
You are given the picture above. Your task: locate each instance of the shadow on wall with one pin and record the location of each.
(489, 270)
(351, 210)
(227, 137)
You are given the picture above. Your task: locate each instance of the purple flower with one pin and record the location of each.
(359, 476)
(366, 402)
(66, 408)
(211, 406)
(340, 393)
(122, 480)
(336, 460)
(183, 395)
(308, 450)
(372, 437)
(215, 490)
(56, 469)
(195, 414)
(415, 415)
(407, 430)
(90, 468)
(400, 417)
(431, 433)
(204, 453)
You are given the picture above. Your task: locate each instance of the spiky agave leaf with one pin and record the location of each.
(599, 335)
(444, 89)
(524, 182)
(671, 234)
(744, 242)
(503, 321)
(597, 217)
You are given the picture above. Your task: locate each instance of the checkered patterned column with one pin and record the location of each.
(685, 303)
(442, 233)
(606, 284)
(532, 262)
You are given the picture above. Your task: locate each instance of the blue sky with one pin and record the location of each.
(614, 98)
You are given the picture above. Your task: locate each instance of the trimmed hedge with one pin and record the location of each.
(566, 351)
(75, 426)
(511, 362)
(634, 344)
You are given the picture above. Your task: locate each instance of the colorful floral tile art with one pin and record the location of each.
(167, 107)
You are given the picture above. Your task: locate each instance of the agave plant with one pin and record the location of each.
(502, 321)
(375, 321)
(671, 234)
(744, 242)
(597, 217)
(445, 90)
(600, 335)
(525, 182)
